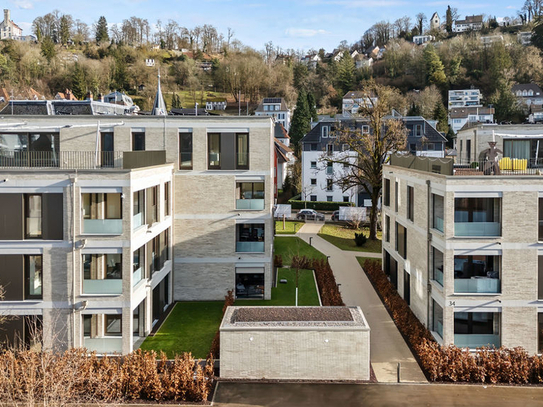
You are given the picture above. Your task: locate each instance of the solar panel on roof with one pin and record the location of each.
(272, 100)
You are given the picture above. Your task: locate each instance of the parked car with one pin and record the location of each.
(310, 214)
(335, 216)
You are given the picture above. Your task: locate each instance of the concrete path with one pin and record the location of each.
(387, 346)
(234, 394)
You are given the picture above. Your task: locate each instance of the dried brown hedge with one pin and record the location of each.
(328, 288)
(214, 352)
(450, 363)
(74, 376)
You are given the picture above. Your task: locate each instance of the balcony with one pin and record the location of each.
(103, 226)
(250, 204)
(477, 285)
(438, 223)
(137, 276)
(476, 341)
(137, 220)
(250, 247)
(479, 229)
(83, 160)
(103, 287)
(104, 345)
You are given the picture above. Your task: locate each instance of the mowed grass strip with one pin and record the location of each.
(190, 327)
(291, 227)
(288, 247)
(343, 238)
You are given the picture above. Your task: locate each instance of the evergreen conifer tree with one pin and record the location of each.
(312, 106)
(440, 114)
(101, 34)
(79, 87)
(300, 124)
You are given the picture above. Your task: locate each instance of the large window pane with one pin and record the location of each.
(386, 192)
(185, 151)
(113, 206)
(401, 240)
(437, 258)
(540, 332)
(242, 151)
(34, 273)
(113, 325)
(114, 267)
(250, 237)
(437, 318)
(476, 274)
(138, 141)
(138, 207)
(476, 329)
(540, 234)
(249, 285)
(477, 216)
(437, 208)
(33, 219)
(214, 149)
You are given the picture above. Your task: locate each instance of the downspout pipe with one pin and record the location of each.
(73, 179)
(429, 252)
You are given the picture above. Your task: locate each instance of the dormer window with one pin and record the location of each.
(530, 93)
(365, 129)
(324, 131)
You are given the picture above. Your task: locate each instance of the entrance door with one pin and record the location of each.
(106, 143)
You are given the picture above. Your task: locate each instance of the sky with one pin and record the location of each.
(296, 24)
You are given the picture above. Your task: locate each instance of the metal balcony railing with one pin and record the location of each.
(503, 166)
(81, 160)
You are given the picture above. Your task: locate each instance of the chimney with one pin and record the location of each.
(7, 17)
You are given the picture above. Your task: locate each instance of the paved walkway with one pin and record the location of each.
(231, 394)
(387, 346)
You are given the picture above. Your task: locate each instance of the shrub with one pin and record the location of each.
(318, 205)
(360, 239)
(450, 363)
(328, 288)
(214, 351)
(278, 260)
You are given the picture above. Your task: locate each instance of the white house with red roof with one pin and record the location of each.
(8, 29)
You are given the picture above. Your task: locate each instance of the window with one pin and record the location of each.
(365, 129)
(249, 285)
(138, 265)
(242, 151)
(313, 181)
(325, 130)
(167, 198)
(412, 148)
(540, 332)
(437, 318)
(329, 184)
(345, 199)
(329, 149)
(313, 146)
(313, 164)
(152, 200)
(329, 198)
(138, 141)
(214, 150)
(387, 228)
(329, 168)
(540, 234)
(476, 329)
(386, 192)
(401, 240)
(437, 209)
(250, 237)
(345, 147)
(476, 274)
(477, 216)
(418, 130)
(540, 277)
(114, 325)
(185, 151)
(113, 267)
(410, 203)
(33, 216)
(250, 195)
(33, 276)
(396, 195)
(313, 198)
(138, 208)
(437, 265)
(102, 213)
(407, 287)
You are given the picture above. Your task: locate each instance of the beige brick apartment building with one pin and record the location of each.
(465, 250)
(210, 210)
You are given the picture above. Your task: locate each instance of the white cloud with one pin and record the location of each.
(511, 7)
(303, 32)
(24, 4)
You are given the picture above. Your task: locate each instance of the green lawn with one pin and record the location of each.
(291, 227)
(291, 246)
(343, 238)
(191, 326)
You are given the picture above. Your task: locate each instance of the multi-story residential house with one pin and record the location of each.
(528, 94)
(464, 250)
(8, 29)
(284, 155)
(352, 101)
(276, 108)
(422, 39)
(319, 177)
(460, 116)
(516, 141)
(216, 209)
(470, 23)
(464, 97)
(85, 242)
(524, 38)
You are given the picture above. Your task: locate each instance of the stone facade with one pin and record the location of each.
(515, 249)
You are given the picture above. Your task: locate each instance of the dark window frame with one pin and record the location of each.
(238, 165)
(209, 166)
(27, 295)
(185, 149)
(411, 203)
(137, 138)
(107, 317)
(386, 192)
(27, 215)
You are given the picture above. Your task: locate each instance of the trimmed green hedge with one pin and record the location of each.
(318, 205)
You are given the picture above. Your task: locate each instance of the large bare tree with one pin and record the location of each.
(369, 151)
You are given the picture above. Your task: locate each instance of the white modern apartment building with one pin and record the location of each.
(219, 219)
(465, 250)
(85, 249)
(276, 108)
(464, 97)
(460, 116)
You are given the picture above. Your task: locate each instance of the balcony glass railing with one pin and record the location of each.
(477, 229)
(137, 276)
(253, 204)
(476, 341)
(137, 220)
(250, 247)
(438, 223)
(477, 285)
(100, 287)
(103, 226)
(104, 345)
(439, 327)
(438, 276)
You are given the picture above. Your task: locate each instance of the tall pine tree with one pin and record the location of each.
(440, 114)
(101, 34)
(79, 87)
(301, 118)
(312, 106)
(448, 20)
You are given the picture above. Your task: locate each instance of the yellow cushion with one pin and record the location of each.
(505, 163)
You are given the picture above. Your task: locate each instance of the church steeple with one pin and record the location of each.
(159, 107)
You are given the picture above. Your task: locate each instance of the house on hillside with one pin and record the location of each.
(435, 22)
(276, 108)
(311, 60)
(524, 38)
(464, 97)
(528, 94)
(216, 104)
(423, 39)
(8, 29)
(470, 23)
(284, 155)
(352, 101)
(66, 95)
(459, 116)
(363, 61)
